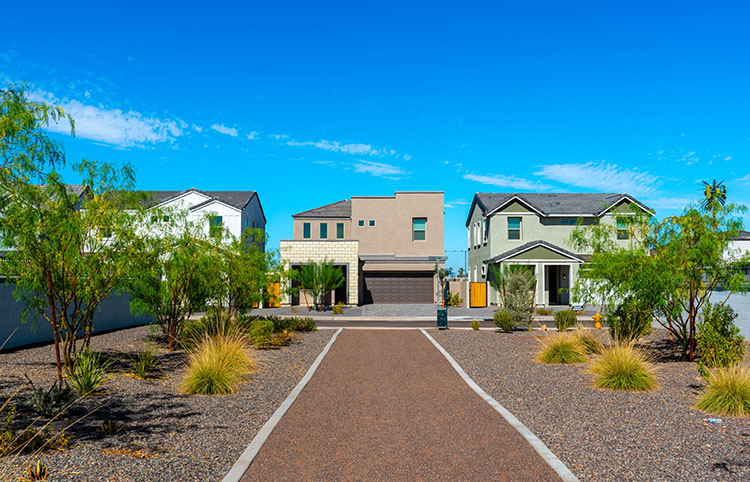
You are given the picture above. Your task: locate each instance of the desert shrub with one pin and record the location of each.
(630, 321)
(454, 299)
(145, 363)
(215, 322)
(15, 441)
(53, 401)
(728, 392)
(109, 426)
(261, 331)
(719, 341)
(302, 324)
(543, 311)
(504, 320)
(89, 372)
(560, 348)
(217, 364)
(475, 325)
(287, 323)
(565, 319)
(35, 472)
(281, 338)
(519, 285)
(590, 343)
(338, 308)
(623, 367)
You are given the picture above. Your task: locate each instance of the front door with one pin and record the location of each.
(564, 284)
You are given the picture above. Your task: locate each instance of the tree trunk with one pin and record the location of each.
(55, 335)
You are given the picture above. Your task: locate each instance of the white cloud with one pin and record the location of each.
(669, 203)
(744, 179)
(335, 146)
(512, 182)
(379, 169)
(111, 126)
(728, 158)
(221, 128)
(457, 202)
(407, 157)
(602, 177)
(197, 128)
(253, 135)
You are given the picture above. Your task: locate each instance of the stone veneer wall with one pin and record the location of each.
(339, 251)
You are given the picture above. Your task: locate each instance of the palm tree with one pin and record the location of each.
(716, 193)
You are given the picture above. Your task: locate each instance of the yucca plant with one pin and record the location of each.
(35, 472)
(109, 426)
(217, 365)
(145, 363)
(728, 392)
(560, 348)
(623, 367)
(89, 372)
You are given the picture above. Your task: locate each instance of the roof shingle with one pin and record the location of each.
(340, 209)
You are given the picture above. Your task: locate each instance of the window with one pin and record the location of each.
(514, 228)
(569, 221)
(486, 229)
(306, 230)
(323, 230)
(484, 270)
(361, 222)
(339, 230)
(622, 230)
(419, 229)
(215, 226)
(372, 222)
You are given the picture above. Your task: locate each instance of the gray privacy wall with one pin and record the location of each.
(741, 304)
(114, 313)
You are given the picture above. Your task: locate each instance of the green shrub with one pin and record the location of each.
(560, 348)
(109, 426)
(15, 441)
(623, 367)
(543, 311)
(565, 319)
(504, 320)
(590, 343)
(338, 308)
(519, 286)
(630, 321)
(719, 341)
(728, 392)
(475, 325)
(217, 365)
(302, 324)
(145, 363)
(286, 323)
(454, 299)
(215, 322)
(261, 331)
(52, 402)
(89, 372)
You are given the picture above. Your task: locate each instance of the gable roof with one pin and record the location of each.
(553, 204)
(236, 199)
(340, 209)
(529, 246)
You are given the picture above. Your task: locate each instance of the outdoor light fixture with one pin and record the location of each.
(565, 275)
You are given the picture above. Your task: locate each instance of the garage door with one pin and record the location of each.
(399, 287)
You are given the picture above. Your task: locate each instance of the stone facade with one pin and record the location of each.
(340, 252)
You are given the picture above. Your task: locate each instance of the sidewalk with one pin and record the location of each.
(386, 405)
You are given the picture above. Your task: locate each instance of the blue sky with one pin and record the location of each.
(312, 102)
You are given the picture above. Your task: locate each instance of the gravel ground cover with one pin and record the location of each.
(604, 435)
(165, 434)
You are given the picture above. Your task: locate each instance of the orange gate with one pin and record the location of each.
(477, 295)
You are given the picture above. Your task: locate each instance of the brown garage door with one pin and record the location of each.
(398, 287)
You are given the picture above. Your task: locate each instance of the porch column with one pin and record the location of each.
(540, 288)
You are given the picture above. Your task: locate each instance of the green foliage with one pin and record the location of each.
(515, 283)
(109, 426)
(623, 367)
(318, 278)
(217, 365)
(630, 321)
(338, 308)
(672, 266)
(475, 325)
(560, 348)
(53, 401)
(455, 299)
(590, 344)
(719, 341)
(302, 324)
(15, 441)
(89, 372)
(145, 363)
(216, 322)
(543, 311)
(565, 319)
(728, 392)
(261, 332)
(504, 320)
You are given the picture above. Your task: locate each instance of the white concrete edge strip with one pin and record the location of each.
(240, 467)
(556, 464)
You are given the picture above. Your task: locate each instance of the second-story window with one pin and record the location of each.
(215, 226)
(306, 230)
(569, 221)
(486, 229)
(514, 228)
(419, 229)
(339, 230)
(361, 222)
(372, 222)
(323, 230)
(622, 230)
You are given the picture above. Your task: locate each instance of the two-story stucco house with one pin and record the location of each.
(386, 246)
(534, 229)
(233, 210)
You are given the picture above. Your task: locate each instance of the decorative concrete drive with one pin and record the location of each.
(388, 405)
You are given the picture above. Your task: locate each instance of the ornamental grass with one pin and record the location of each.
(561, 348)
(728, 392)
(623, 367)
(217, 365)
